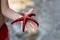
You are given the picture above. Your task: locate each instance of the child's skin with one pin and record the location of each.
(1, 19)
(12, 15)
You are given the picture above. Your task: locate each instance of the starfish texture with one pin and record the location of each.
(25, 18)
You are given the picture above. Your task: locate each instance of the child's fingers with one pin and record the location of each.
(28, 29)
(21, 24)
(31, 10)
(33, 25)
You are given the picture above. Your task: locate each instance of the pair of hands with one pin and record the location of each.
(28, 23)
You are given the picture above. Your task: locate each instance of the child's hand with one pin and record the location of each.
(28, 22)
(31, 27)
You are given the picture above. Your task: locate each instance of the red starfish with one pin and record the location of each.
(25, 18)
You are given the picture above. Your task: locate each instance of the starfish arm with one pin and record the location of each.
(31, 15)
(33, 20)
(19, 19)
(23, 25)
(22, 14)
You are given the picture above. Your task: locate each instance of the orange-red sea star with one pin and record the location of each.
(25, 18)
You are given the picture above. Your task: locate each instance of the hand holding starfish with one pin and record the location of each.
(26, 18)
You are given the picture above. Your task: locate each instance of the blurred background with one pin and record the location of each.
(47, 14)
